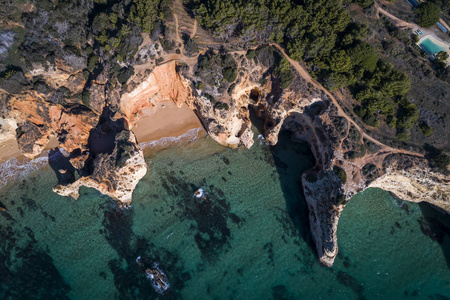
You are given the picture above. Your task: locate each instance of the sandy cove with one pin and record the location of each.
(166, 120)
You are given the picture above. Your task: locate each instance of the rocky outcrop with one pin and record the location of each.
(410, 178)
(115, 174)
(40, 120)
(104, 152)
(228, 125)
(347, 161)
(163, 83)
(322, 193)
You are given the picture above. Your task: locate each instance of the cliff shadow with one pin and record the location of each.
(102, 138)
(291, 159)
(436, 225)
(60, 164)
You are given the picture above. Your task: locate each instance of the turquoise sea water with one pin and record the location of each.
(432, 47)
(249, 240)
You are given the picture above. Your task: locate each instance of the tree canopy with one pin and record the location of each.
(321, 35)
(428, 14)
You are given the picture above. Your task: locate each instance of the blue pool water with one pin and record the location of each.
(432, 47)
(250, 240)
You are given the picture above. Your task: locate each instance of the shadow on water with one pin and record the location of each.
(129, 275)
(291, 159)
(436, 225)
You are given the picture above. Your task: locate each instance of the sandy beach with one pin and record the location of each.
(10, 149)
(164, 121)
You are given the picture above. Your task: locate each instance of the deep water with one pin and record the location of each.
(249, 240)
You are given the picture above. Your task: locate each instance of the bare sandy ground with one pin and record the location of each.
(10, 149)
(165, 120)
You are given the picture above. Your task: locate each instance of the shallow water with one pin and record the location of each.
(249, 240)
(432, 47)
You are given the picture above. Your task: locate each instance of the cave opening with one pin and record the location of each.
(254, 95)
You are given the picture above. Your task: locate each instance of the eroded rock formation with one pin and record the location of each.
(115, 174)
(106, 156)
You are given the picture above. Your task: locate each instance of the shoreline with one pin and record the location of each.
(166, 120)
(159, 128)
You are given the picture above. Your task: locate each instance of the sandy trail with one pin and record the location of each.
(444, 24)
(194, 31)
(397, 22)
(301, 70)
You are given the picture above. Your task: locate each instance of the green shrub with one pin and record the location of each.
(199, 85)
(340, 199)
(231, 88)
(404, 134)
(364, 3)
(251, 54)
(92, 63)
(284, 73)
(310, 177)
(229, 74)
(340, 174)
(371, 120)
(146, 13)
(426, 129)
(86, 98)
(191, 46)
(222, 106)
(359, 111)
(125, 74)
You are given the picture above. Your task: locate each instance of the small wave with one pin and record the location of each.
(14, 169)
(188, 137)
(261, 139)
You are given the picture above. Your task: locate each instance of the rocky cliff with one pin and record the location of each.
(90, 104)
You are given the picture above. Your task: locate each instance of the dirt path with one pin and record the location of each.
(177, 30)
(194, 31)
(301, 70)
(191, 61)
(397, 22)
(444, 24)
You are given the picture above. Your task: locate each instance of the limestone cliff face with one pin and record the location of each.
(229, 127)
(323, 216)
(107, 157)
(40, 120)
(347, 160)
(163, 83)
(309, 112)
(105, 154)
(410, 178)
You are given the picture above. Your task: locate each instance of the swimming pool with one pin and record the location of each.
(432, 47)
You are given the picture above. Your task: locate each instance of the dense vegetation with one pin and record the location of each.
(428, 14)
(340, 174)
(321, 34)
(88, 35)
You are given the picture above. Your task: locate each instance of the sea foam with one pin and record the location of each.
(14, 169)
(188, 137)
